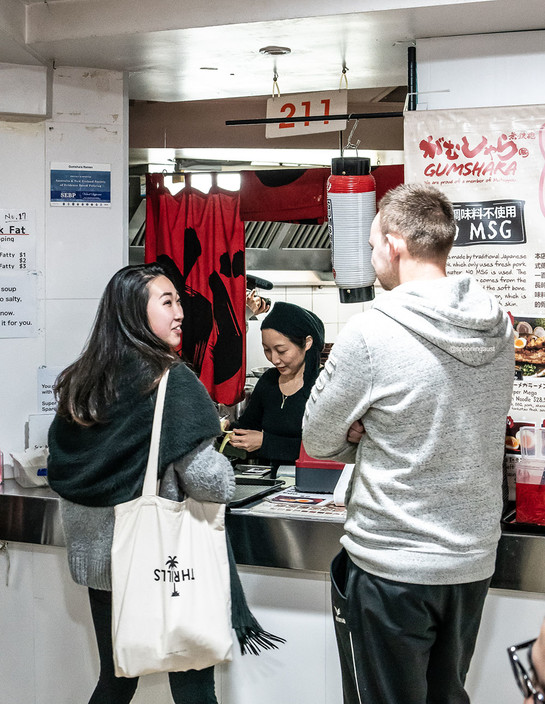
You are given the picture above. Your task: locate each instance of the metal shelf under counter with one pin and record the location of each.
(33, 516)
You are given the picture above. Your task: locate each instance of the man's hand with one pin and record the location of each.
(256, 303)
(355, 432)
(248, 440)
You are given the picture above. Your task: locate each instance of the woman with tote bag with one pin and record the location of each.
(99, 443)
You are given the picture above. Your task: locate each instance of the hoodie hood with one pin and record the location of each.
(453, 313)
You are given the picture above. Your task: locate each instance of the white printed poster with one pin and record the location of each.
(46, 379)
(18, 305)
(491, 164)
(17, 240)
(81, 185)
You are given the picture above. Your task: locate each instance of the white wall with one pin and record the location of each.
(49, 654)
(77, 248)
(509, 618)
(482, 70)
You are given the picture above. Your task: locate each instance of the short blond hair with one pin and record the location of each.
(423, 216)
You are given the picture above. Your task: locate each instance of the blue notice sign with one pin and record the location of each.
(81, 185)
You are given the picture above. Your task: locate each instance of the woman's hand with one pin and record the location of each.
(248, 440)
(355, 432)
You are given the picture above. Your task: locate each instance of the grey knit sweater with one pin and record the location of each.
(429, 370)
(204, 474)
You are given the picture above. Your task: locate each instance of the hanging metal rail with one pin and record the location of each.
(315, 118)
(412, 95)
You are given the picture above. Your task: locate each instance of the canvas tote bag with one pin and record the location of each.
(171, 599)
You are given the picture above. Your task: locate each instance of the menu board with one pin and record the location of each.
(18, 276)
(17, 240)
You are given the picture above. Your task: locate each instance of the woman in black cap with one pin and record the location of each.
(271, 425)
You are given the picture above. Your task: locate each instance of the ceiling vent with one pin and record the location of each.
(287, 246)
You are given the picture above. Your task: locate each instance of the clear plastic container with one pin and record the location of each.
(532, 442)
(30, 467)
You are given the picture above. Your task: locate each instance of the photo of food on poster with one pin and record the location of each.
(529, 347)
(525, 430)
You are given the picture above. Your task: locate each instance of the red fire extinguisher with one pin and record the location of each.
(351, 208)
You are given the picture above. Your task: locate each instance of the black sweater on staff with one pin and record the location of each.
(281, 425)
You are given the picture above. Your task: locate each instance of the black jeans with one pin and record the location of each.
(191, 687)
(403, 643)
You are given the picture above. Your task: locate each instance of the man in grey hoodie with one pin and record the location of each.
(415, 392)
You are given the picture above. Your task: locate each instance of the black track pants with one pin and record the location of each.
(403, 643)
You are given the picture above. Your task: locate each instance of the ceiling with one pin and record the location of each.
(181, 50)
(193, 51)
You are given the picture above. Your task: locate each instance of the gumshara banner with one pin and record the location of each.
(491, 164)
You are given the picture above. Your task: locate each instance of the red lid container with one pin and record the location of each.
(309, 462)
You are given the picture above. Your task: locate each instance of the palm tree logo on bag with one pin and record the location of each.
(173, 575)
(171, 563)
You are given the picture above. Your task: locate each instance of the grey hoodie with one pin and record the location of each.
(429, 370)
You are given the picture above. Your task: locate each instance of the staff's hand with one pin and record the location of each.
(248, 440)
(355, 432)
(256, 303)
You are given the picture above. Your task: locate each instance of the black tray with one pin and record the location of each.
(249, 489)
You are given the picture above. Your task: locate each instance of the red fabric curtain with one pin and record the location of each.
(387, 177)
(284, 195)
(199, 239)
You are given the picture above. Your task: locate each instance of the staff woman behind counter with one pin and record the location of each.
(292, 339)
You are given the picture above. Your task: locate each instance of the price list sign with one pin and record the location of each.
(17, 241)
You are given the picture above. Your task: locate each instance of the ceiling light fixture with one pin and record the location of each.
(275, 50)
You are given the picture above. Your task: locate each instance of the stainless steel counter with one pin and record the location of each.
(33, 516)
(29, 515)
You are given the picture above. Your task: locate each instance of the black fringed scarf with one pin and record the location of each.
(104, 464)
(251, 636)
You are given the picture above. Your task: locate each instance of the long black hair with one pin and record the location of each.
(121, 334)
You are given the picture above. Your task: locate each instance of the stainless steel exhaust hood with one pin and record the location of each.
(287, 246)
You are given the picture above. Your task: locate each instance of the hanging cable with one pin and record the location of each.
(344, 76)
(275, 88)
